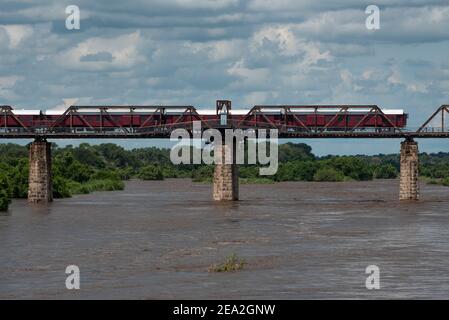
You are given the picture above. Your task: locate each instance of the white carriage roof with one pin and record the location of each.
(26, 112)
(201, 111)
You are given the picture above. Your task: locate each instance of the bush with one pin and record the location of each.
(61, 188)
(249, 172)
(96, 185)
(104, 185)
(297, 171)
(19, 179)
(203, 174)
(256, 181)
(126, 173)
(386, 171)
(106, 174)
(151, 172)
(67, 167)
(170, 171)
(445, 182)
(232, 263)
(5, 185)
(328, 174)
(352, 167)
(78, 188)
(4, 200)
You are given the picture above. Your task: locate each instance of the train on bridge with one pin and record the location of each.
(291, 121)
(294, 118)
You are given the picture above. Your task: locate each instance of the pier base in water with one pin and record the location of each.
(226, 177)
(408, 185)
(39, 179)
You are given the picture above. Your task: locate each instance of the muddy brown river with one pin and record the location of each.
(156, 240)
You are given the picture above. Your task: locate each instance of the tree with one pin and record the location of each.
(295, 151)
(4, 200)
(151, 172)
(328, 174)
(203, 173)
(106, 174)
(60, 188)
(5, 184)
(352, 167)
(385, 171)
(297, 171)
(18, 177)
(5, 192)
(66, 166)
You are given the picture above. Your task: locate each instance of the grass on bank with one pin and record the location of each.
(96, 185)
(231, 264)
(440, 182)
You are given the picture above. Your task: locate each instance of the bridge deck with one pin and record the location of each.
(281, 135)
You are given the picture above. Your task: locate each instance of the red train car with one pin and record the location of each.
(283, 117)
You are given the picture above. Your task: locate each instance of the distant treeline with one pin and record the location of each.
(88, 168)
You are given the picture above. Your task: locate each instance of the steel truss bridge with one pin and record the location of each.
(159, 121)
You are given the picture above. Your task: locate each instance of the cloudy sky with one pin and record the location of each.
(252, 52)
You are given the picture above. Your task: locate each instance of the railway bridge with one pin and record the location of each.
(146, 122)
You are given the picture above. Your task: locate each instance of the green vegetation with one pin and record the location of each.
(385, 171)
(4, 200)
(298, 163)
(328, 174)
(203, 173)
(87, 168)
(96, 185)
(151, 172)
(256, 181)
(232, 263)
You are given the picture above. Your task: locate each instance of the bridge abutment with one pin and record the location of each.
(409, 185)
(39, 179)
(226, 176)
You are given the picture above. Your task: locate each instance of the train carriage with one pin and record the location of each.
(300, 118)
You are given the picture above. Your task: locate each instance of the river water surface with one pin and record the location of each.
(156, 240)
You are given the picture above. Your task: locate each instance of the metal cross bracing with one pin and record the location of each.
(148, 118)
(437, 119)
(325, 118)
(291, 121)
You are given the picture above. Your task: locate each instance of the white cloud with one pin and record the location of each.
(249, 77)
(395, 77)
(66, 103)
(205, 4)
(417, 87)
(7, 87)
(123, 50)
(254, 98)
(17, 33)
(9, 81)
(281, 5)
(349, 81)
(218, 50)
(286, 43)
(281, 36)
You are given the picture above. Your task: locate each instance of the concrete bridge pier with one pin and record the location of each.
(39, 179)
(408, 185)
(226, 176)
